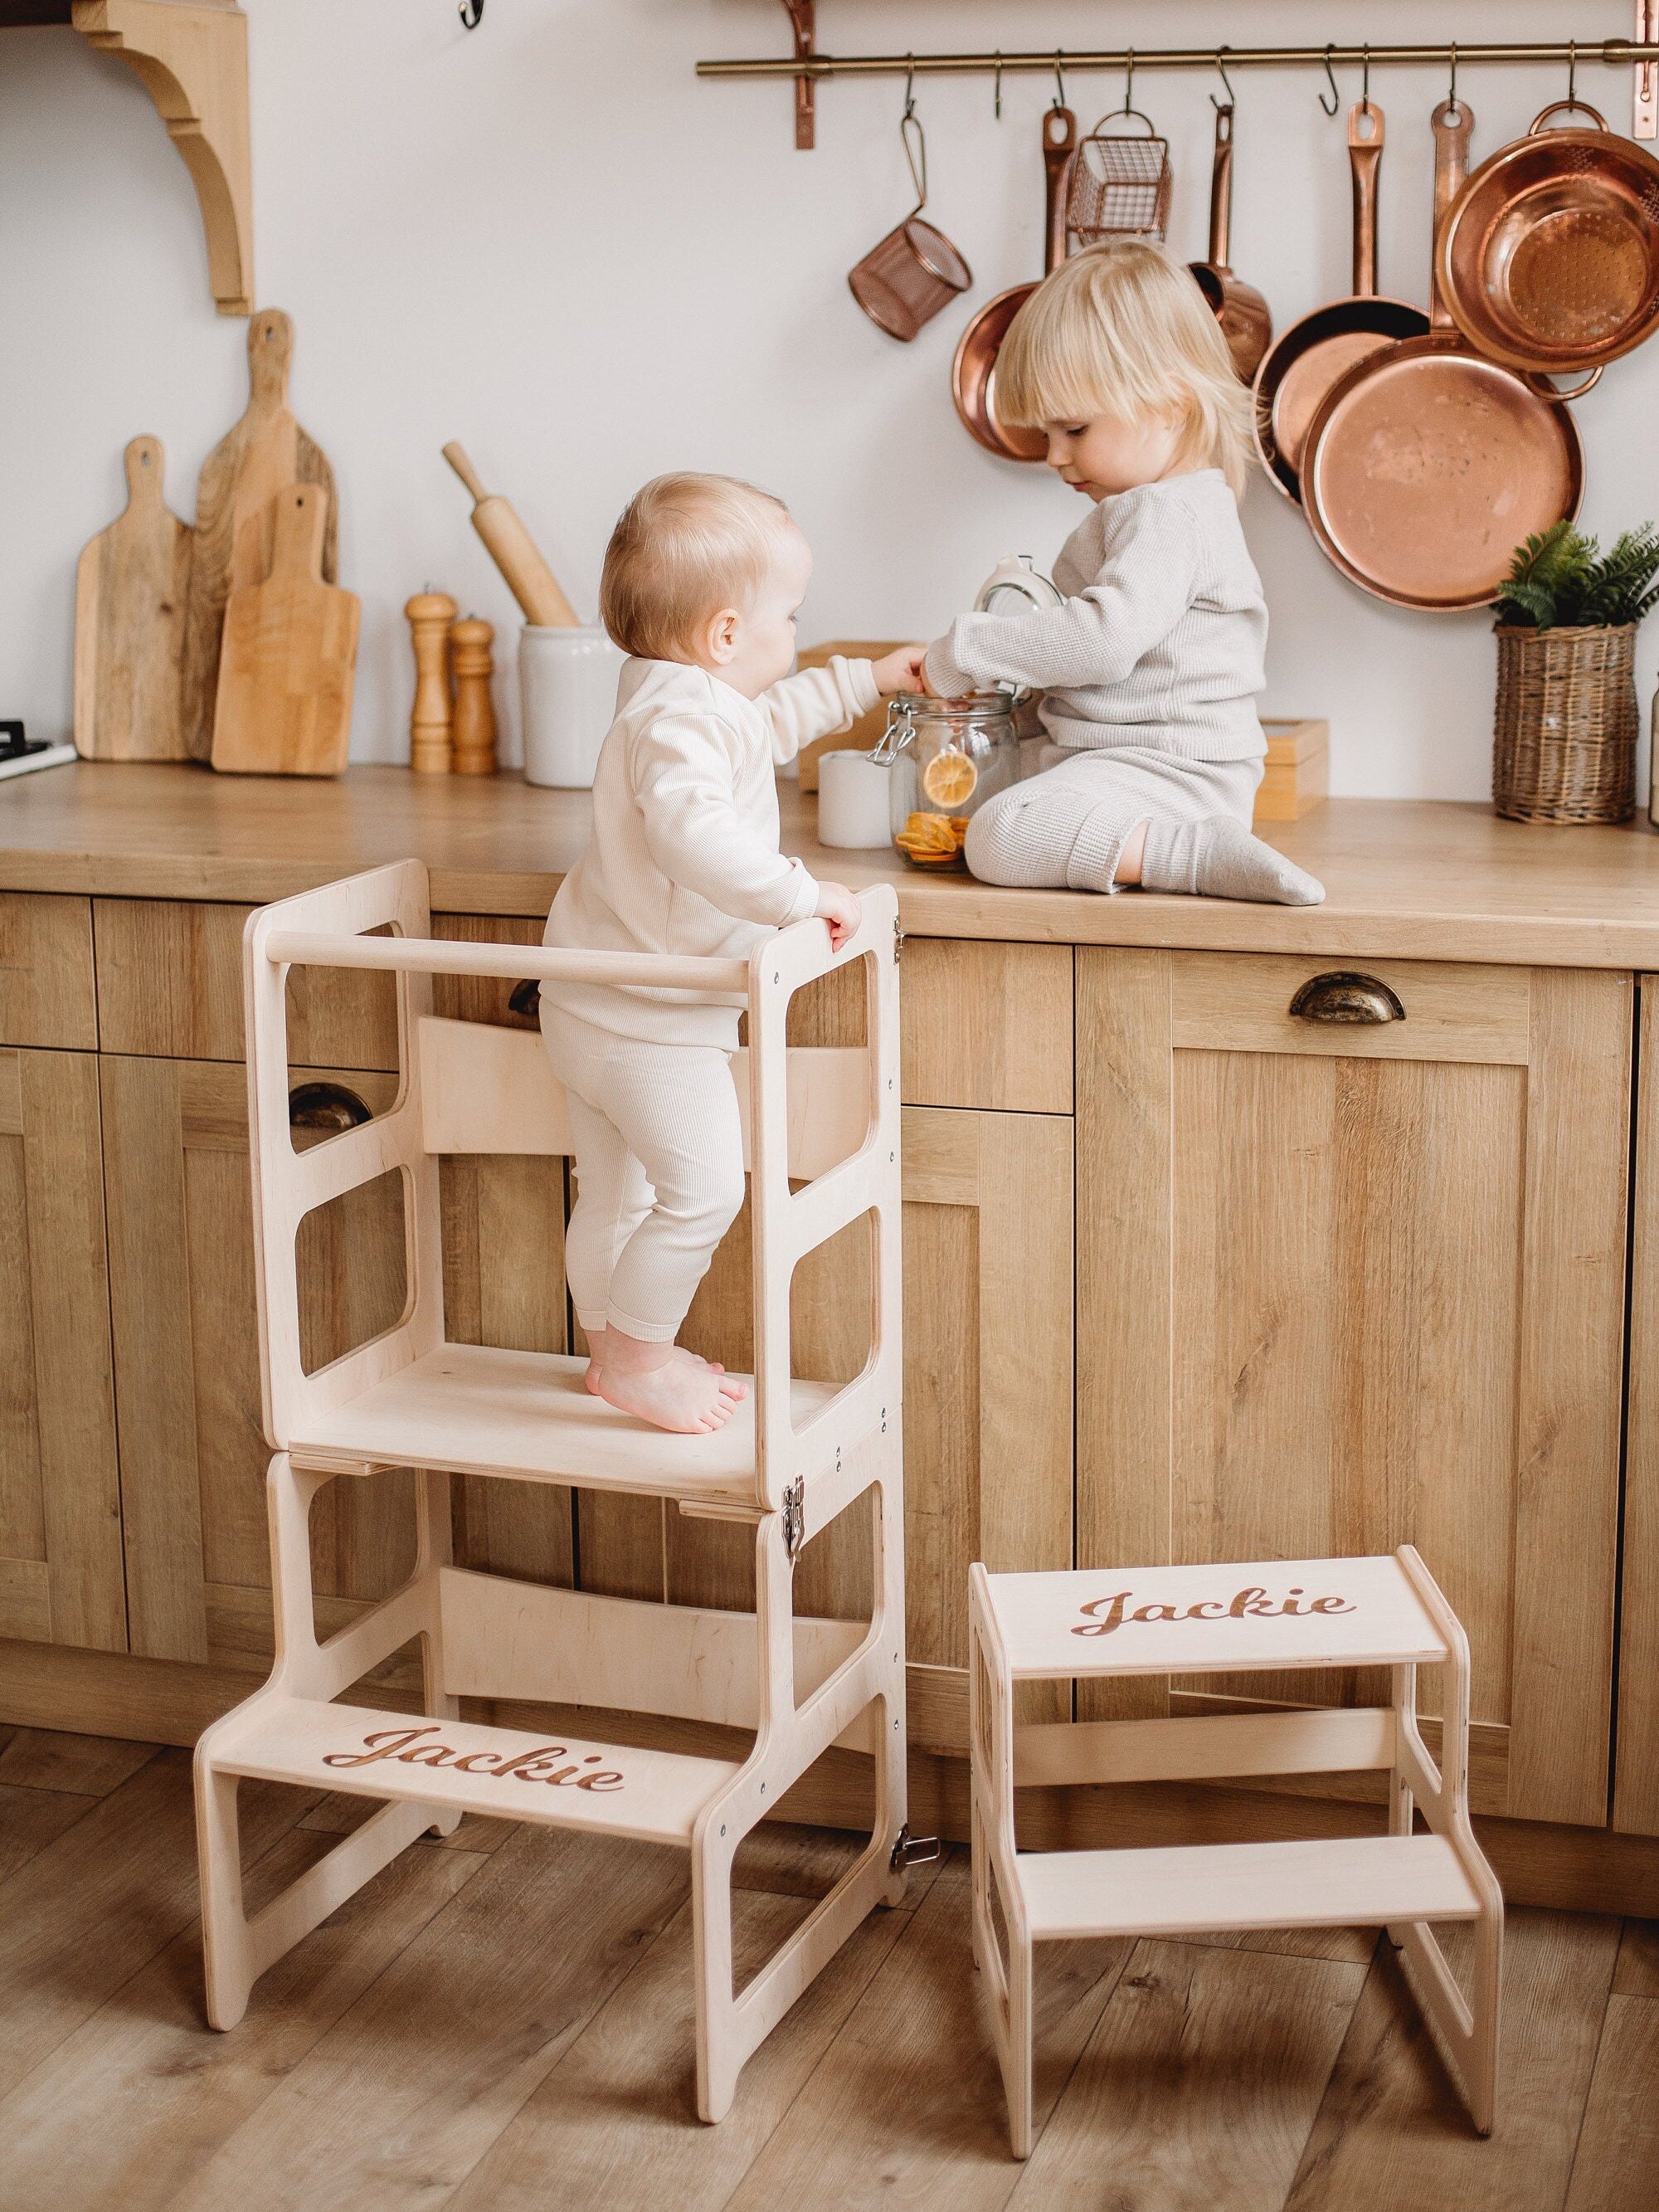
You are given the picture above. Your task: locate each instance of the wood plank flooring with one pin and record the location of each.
(502, 2021)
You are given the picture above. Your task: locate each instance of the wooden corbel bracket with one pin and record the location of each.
(802, 20)
(192, 58)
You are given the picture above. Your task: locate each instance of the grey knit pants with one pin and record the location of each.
(1064, 827)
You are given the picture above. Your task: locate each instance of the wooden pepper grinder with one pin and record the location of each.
(430, 614)
(475, 710)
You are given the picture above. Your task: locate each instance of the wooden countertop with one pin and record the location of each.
(1404, 878)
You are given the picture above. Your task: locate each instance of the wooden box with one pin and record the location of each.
(1298, 777)
(868, 727)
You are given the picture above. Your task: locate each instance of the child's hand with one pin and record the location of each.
(900, 671)
(838, 906)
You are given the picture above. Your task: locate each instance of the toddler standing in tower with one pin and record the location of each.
(702, 579)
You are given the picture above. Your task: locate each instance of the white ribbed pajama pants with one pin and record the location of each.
(660, 1179)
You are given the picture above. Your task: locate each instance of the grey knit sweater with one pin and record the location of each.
(1161, 637)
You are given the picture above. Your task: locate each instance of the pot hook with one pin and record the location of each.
(1331, 106)
(1221, 66)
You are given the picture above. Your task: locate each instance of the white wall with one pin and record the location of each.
(548, 238)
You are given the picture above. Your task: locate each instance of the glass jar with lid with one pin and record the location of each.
(947, 758)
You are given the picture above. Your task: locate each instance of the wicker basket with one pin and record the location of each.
(1564, 744)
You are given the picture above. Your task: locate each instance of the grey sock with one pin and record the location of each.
(1218, 858)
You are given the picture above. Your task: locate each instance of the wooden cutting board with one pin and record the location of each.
(290, 650)
(129, 589)
(239, 480)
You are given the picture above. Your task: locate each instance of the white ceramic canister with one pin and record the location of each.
(568, 691)
(853, 801)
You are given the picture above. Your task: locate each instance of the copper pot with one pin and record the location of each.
(1427, 465)
(1549, 256)
(1245, 318)
(973, 373)
(1319, 349)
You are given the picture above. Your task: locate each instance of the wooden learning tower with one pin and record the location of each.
(821, 1131)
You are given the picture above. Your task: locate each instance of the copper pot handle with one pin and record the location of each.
(1221, 188)
(1345, 995)
(1564, 107)
(1545, 390)
(1059, 146)
(1364, 158)
(1451, 170)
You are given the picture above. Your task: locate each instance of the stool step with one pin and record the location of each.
(1350, 1881)
(557, 1781)
(1208, 1620)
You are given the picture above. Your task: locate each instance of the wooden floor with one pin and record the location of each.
(502, 2021)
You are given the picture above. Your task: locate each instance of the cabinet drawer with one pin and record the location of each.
(170, 987)
(46, 995)
(1241, 1002)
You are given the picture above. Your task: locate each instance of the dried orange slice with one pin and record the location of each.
(949, 778)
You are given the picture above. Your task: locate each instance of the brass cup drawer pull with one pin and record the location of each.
(1343, 995)
(326, 1108)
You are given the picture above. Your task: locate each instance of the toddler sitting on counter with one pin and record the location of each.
(1152, 664)
(702, 578)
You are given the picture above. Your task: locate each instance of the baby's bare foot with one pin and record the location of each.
(684, 1394)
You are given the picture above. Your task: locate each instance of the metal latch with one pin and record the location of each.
(794, 1517)
(910, 1850)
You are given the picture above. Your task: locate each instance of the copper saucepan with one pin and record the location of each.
(973, 373)
(1427, 465)
(1549, 257)
(1305, 361)
(1245, 318)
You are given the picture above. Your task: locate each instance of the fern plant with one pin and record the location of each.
(1562, 579)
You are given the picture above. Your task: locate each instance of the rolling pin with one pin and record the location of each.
(512, 549)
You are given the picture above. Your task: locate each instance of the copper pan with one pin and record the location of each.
(973, 373)
(1427, 465)
(1305, 361)
(1549, 257)
(1245, 318)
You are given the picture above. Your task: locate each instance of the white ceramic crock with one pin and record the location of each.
(567, 690)
(853, 801)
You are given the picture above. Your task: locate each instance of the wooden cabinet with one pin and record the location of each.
(60, 1522)
(1341, 1287)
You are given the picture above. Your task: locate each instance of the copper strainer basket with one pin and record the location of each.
(906, 277)
(1121, 185)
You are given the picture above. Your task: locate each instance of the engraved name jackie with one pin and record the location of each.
(405, 1746)
(1108, 1614)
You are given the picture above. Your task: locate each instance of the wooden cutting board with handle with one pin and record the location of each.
(129, 589)
(240, 479)
(283, 705)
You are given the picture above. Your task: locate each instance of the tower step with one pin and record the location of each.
(558, 1781)
(1348, 1881)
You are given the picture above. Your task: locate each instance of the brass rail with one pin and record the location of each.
(1617, 54)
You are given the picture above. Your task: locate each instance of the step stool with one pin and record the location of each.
(1211, 1620)
(795, 1456)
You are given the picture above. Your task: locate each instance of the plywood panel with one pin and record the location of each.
(46, 993)
(1635, 1784)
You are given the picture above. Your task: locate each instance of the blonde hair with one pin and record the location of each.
(1121, 330)
(685, 546)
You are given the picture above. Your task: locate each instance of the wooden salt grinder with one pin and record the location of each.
(475, 710)
(430, 614)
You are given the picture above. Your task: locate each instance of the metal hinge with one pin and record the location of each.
(794, 1517)
(910, 1850)
(898, 944)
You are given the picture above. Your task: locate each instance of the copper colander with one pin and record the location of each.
(1549, 257)
(1120, 186)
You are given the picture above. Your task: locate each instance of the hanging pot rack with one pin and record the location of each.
(808, 67)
